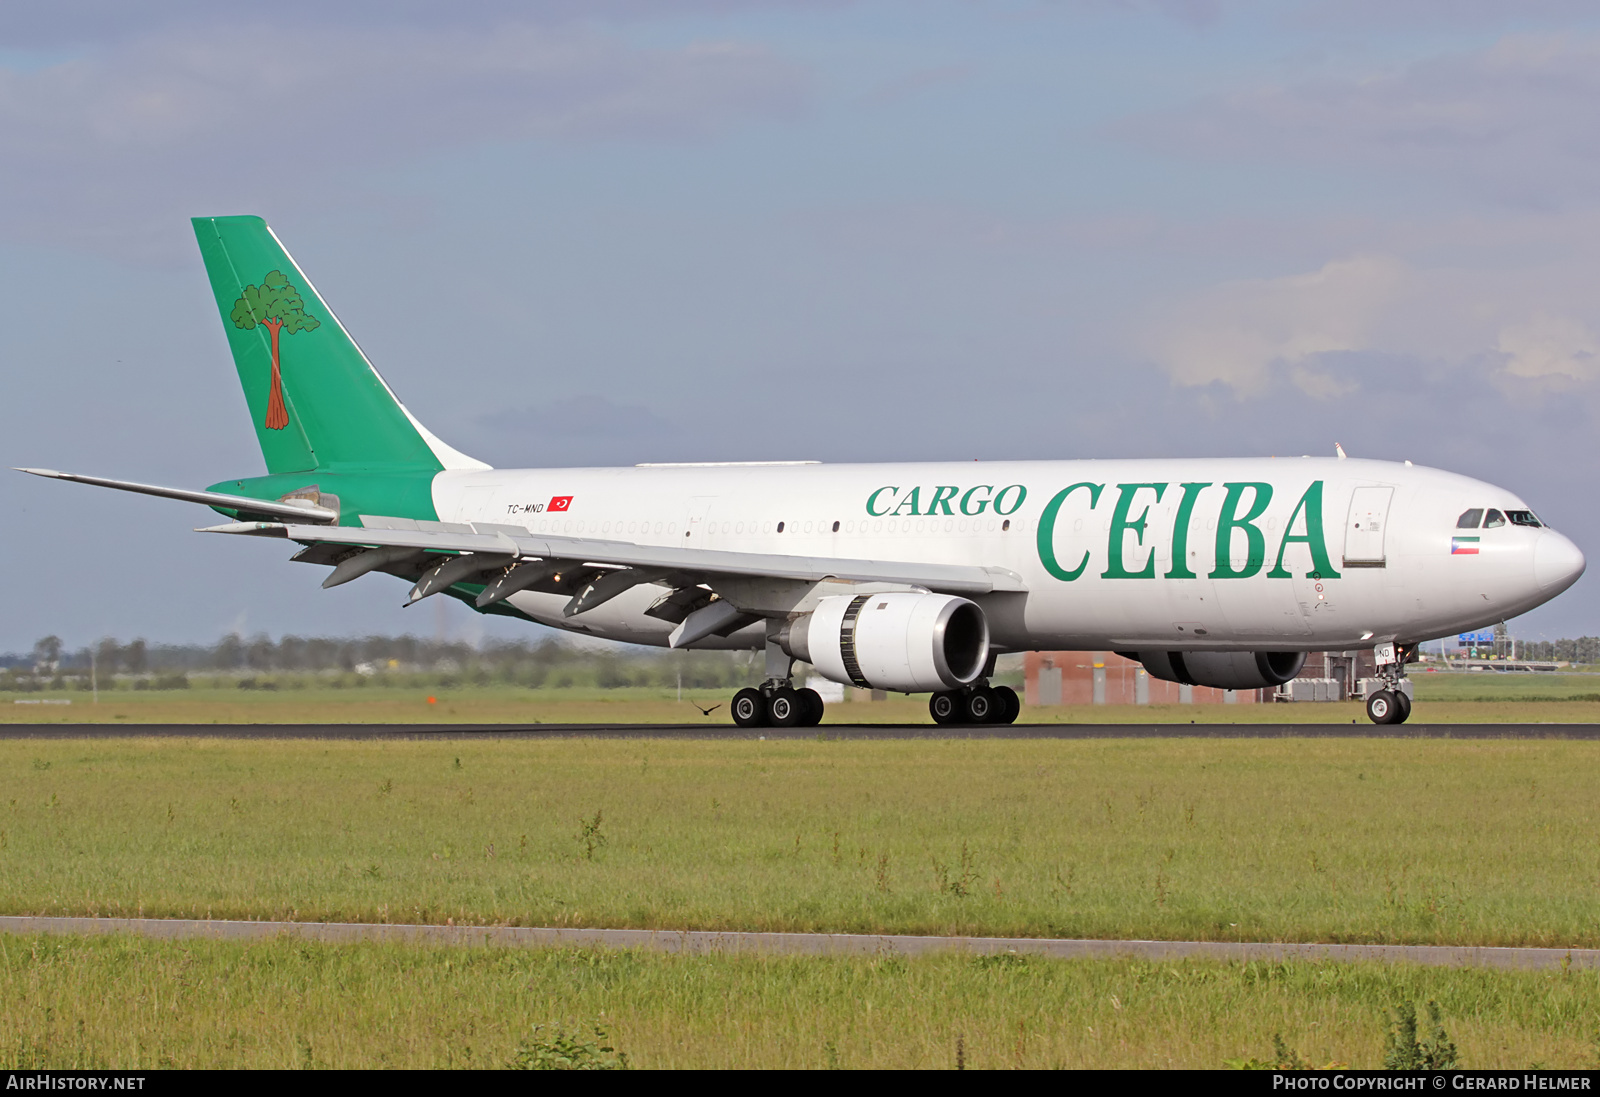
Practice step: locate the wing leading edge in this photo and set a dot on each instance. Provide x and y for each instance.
(506, 559)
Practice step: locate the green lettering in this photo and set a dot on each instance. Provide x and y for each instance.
(941, 498)
(1229, 521)
(1121, 527)
(983, 504)
(999, 500)
(873, 498)
(913, 501)
(1321, 566)
(1180, 532)
(1047, 532)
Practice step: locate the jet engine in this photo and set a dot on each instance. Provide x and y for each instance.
(1221, 669)
(902, 641)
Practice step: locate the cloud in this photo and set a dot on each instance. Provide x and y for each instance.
(1515, 120)
(1240, 332)
(1551, 348)
(153, 128)
(1527, 329)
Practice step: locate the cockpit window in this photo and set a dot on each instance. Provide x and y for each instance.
(1495, 519)
(1523, 518)
(1470, 518)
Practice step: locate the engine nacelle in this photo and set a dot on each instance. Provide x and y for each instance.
(902, 641)
(1221, 669)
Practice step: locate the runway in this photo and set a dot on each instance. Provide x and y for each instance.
(717, 731)
(704, 942)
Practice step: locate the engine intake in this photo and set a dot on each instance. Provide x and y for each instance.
(901, 641)
(1221, 669)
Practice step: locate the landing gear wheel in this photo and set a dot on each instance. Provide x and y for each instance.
(1404, 702)
(945, 708)
(1382, 708)
(749, 709)
(1008, 706)
(811, 702)
(980, 706)
(785, 709)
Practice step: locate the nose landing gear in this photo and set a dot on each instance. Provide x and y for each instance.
(1391, 704)
(1388, 706)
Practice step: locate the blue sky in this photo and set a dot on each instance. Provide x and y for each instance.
(621, 231)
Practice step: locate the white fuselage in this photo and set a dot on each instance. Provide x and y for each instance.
(1241, 554)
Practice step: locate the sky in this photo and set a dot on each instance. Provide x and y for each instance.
(612, 231)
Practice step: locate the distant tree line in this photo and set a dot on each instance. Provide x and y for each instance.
(261, 661)
(1585, 649)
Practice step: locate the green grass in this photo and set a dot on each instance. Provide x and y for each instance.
(1437, 841)
(1442, 698)
(1501, 686)
(132, 1004)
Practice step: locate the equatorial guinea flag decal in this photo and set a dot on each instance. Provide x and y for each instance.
(1463, 546)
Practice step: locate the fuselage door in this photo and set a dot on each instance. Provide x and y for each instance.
(477, 505)
(695, 525)
(1365, 526)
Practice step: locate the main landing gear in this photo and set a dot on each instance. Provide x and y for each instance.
(778, 706)
(1391, 704)
(976, 704)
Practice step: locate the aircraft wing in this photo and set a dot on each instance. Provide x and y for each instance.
(709, 591)
(501, 546)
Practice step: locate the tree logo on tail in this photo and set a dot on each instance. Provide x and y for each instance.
(276, 305)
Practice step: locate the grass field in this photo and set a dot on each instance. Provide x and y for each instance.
(1431, 841)
(1441, 698)
(1499, 686)
(132, 1004)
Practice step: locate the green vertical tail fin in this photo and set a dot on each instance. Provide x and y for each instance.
(316, 401)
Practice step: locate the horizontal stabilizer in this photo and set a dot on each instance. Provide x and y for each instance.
(294, 510)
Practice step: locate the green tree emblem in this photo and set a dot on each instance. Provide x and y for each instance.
(276, 305)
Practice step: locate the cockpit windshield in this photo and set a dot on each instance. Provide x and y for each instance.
(1472, 519)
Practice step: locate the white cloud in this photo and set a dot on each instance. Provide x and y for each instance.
(1527, 324)
(1551, 348)
(1240, 332)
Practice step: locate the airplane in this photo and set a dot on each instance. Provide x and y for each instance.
(900, 577)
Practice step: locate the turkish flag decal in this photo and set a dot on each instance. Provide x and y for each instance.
(560, 502)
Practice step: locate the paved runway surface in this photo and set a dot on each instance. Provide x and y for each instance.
(809, 944)
(832, 731)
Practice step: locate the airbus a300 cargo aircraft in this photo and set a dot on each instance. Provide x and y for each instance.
(904, 577)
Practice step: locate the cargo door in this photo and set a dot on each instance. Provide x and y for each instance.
(1365, 527)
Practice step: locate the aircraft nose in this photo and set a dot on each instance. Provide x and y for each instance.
(1557, 562)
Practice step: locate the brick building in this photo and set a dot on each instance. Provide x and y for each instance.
(1106, 678)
